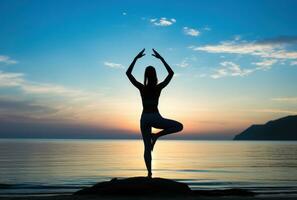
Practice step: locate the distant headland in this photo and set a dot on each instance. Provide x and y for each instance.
(280, 129)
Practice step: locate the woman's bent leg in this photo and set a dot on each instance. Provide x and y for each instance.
(169, 126)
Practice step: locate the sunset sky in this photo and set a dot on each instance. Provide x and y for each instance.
(63, 63)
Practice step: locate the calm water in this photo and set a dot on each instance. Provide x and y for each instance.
(63, 166)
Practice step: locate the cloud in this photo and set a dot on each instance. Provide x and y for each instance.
(183, 63)
(163, 21)
(113, 65)
(293, 62)
(230, 69)
(191, 31)
(273, 48)
(46, 101)
(279, 40)
(236, 48)
(11, 105)
(278, 111)
(24, 127)
(7, 60)
(8, 79)
(270, 51)
(206, 28)
(40, 88)
(237, 37)
(265, 64)
(285, 99)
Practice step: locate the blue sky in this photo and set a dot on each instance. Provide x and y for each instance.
(62, 64)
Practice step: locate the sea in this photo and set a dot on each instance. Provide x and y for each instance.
(50, 166)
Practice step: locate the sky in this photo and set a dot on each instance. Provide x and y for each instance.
(63, 63)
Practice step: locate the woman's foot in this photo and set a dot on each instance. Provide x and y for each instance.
(154, 139)
(149, 174)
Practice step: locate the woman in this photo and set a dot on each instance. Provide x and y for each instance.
(150, 92)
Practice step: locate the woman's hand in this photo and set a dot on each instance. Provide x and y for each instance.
(140, 54)
(156, 54)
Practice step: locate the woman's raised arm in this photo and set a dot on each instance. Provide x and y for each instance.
(130, 68)
(168, 68)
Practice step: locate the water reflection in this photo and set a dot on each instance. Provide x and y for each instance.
(200, 163)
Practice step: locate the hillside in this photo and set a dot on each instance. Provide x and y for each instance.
(281, 129)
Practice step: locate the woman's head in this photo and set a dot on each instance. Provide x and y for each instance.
(150, 76)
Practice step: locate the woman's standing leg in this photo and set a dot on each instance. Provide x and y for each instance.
(146, 136)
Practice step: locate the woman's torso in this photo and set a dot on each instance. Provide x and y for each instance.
(150, 99)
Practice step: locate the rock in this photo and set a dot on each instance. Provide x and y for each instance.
(137, 186)
(143, 186)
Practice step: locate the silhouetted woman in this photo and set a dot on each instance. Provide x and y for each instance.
(150, 92)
